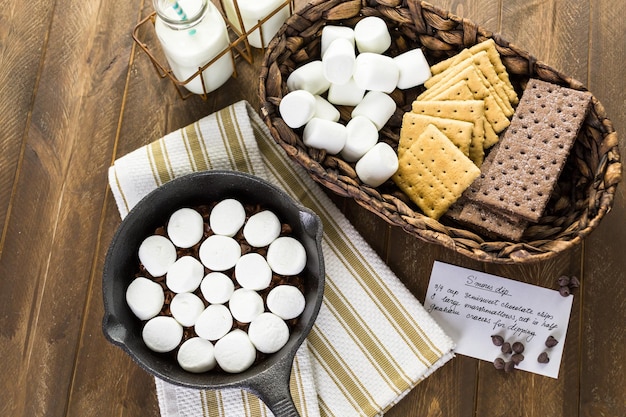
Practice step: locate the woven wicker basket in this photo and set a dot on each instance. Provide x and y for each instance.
(586, 187)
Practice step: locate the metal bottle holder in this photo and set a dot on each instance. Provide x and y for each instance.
(239, 46)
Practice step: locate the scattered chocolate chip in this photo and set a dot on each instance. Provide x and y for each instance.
(517, 358)
(497, 340)
(518, 347)
(509, 366)
(563, 280)
(564, 291)
(574, 282)
(506, 348)
(543, 358)
(498, 363)
(551, 341)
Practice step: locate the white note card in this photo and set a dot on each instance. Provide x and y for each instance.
(472, 306)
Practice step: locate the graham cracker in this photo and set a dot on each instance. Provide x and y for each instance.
(534, 149)
(459, 132)
(433, 172)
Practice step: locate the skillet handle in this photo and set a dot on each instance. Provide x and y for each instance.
(272, 388)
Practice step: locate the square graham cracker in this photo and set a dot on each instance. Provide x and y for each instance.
(459, 132)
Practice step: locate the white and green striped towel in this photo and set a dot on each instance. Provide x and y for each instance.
(372, 341)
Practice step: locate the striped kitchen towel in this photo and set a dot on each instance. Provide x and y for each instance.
(372, 341)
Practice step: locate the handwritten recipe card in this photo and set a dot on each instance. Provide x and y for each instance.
(472, 306)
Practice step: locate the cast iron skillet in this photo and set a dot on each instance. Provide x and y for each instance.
(268, 379)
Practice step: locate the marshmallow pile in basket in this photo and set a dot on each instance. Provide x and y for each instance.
(353, 71)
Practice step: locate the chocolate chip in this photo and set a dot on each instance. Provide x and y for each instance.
(497, 340)
(509, 366)
(574, 282)
(498, 363)
(563, 280)
(506, 348)
(551, 341)
(564, 291)
(518, 347)
(543, 358)
(517, 358)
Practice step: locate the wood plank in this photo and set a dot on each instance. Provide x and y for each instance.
(604, 313)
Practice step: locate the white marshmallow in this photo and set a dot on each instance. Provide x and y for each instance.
(217, 288)
(377, 165)
(286, 256)
(348, 94)
(196, 355)
(413, 67)
(162, 334)
(245, 305)
(372, 35)
(309, 77)
(157, 254)
(214, 322)
(145, 298)
(235, 352)
(227, 217)
(286, 301)
(185, 227)
(362, 135)
(331, 32)
(325, 134)
(325, 110)
(219, 253)
(376, 72)
(184, 275)
(186, 307)
(262, 228)
(376, 106)
(297, 108)
(253, 272)
(268, 333)
(339, 61)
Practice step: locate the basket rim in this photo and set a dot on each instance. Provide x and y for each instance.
(463, 241)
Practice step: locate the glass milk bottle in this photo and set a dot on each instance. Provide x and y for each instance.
(192, 33)
(251, 12)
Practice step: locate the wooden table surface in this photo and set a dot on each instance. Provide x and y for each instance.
(76, 93)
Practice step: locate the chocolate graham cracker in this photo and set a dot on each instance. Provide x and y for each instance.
(534, 149)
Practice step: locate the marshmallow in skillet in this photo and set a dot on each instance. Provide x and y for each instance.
(348, 94)
(414, 69)
(297, 108)
(286, 301)
(235, 352)
(253, 272)
(245, 305)
(325, 134)
(309, 77)
(162, 334)
(376, 72)
(219, 253)
(372, 35)
(376, 106)
(286, 256)
(145, 298)
(331, 33)
(377, 165)
(362, 134)
(214, 322)
(262, 228)
(186, 307)
(184, 275)
(227, 217)
(325, 110)
(157, 254)
(196, 355)
(217, 288)
(185, 227)
(268, 333)
(339, 61)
